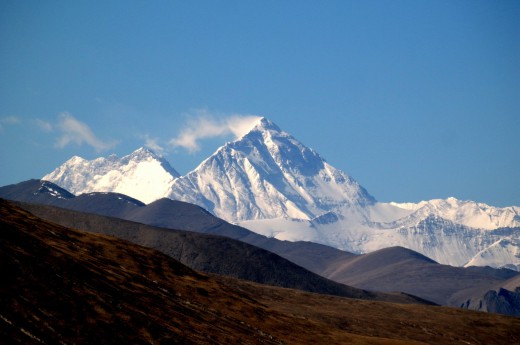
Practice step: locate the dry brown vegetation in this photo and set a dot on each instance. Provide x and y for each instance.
(212, 254)
(65, 286)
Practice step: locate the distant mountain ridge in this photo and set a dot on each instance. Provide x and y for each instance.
(269, 182)
(469, 213)
(400, 269)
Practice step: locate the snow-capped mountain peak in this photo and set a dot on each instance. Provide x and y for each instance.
(144, 154)
(264, 125)
(142, 175)
(267, 173)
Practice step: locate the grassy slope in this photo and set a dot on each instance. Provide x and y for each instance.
(62, 285)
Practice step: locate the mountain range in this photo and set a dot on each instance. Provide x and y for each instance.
(269, 182)
(388, 270)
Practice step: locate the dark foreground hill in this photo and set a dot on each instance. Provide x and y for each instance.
(65, 286)
(213, 254)
(170, 214)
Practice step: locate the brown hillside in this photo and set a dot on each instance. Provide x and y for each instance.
(64, 286)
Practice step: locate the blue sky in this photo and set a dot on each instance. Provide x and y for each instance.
(414, 99)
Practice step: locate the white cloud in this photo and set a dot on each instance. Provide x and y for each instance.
(204, 126)
(152, 144)
(77, 132)
(10, 120)
(44, 125)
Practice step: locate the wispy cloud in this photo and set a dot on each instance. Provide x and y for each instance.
(9, 120)
(77, 132)
(44, 125)
(153, 144)
(203, 125)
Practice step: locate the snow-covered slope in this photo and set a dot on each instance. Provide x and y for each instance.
(440, 239)
(470, 213)
(268, 174)
(443, 240)
(142, 175)
(503, 253)
(424, 230)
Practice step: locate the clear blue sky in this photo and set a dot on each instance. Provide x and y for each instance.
(414, 99)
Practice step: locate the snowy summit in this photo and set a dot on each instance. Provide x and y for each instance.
(142, 175)
(267, 173)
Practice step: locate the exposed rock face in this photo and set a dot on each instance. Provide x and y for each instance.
(502, 301)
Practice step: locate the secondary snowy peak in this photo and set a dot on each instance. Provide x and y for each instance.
(469, 213)
(265, 174)
(142, 175)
